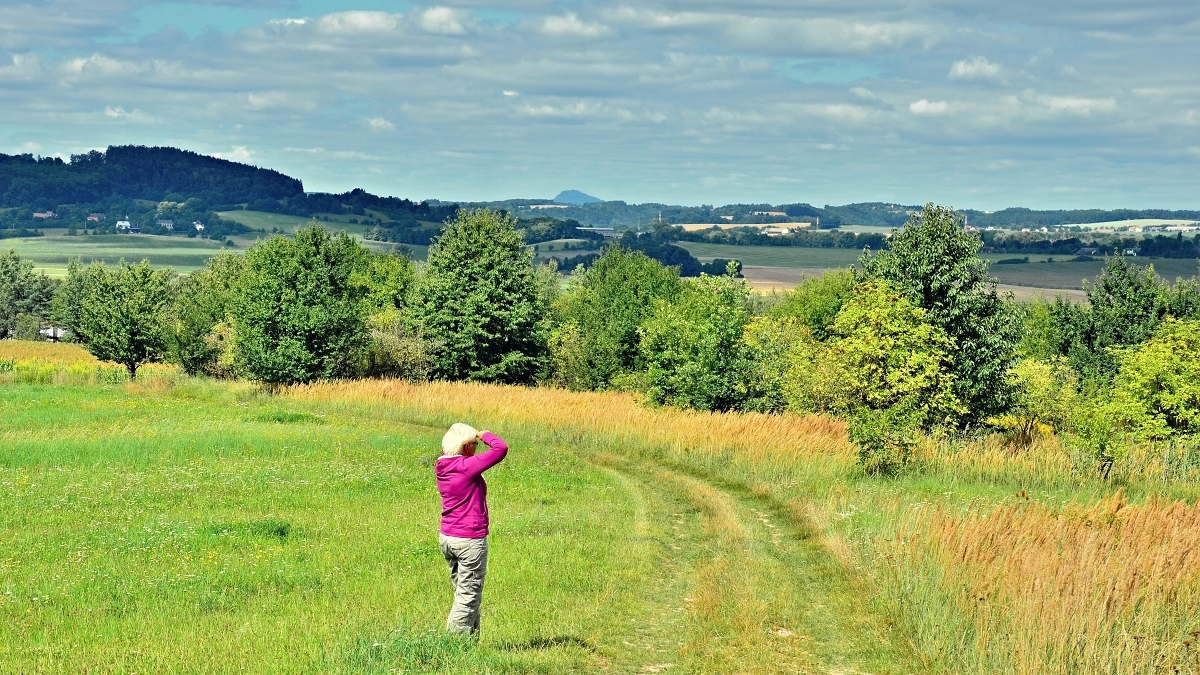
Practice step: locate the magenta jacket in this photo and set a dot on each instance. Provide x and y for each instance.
(464, 493)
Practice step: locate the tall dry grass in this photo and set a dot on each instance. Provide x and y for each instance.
(1106, 588)
(28, 362)
(614, 415)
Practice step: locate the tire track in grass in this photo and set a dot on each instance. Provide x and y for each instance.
(743, 587)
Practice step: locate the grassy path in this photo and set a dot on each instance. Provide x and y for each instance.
(743, 586)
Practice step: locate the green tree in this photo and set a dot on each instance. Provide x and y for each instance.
(297, 311)
(123, 312)
(1125, 306)
(693, 348)
(25, 296)
(202, 301)
(882, 353)
(596, 337)
(934, 263)
(68, 301)
(1157, 388)
(479, 300)
(817, 301)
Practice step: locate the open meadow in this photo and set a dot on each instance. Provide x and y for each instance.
(185, 524)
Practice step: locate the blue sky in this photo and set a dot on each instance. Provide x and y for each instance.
(1075, 103)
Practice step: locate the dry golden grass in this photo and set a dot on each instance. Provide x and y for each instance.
(1106, 588)
(616, 415)
(23, 361)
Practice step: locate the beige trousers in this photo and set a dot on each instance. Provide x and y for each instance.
(467, 559)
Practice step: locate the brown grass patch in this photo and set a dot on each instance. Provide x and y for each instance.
(1109, 588)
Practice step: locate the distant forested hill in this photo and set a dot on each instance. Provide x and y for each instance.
(136, 172)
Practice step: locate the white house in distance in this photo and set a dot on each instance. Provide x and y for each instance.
(198, 225)
(126, 226)
(167, 224)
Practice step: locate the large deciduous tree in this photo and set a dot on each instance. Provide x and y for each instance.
(479, 301)
(935, 263)
(122, 311)
(298, 310)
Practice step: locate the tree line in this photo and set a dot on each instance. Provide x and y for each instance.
(914, 339)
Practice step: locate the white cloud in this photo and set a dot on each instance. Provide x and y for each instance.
(926, 107)
(380, 124)
(1076, 105)
(977, 68)
(356, 23)
(1195, 150)
(509, 92)
(443, 21)
(239, 153)
(570, 25)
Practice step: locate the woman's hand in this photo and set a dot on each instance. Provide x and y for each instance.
(482, 432)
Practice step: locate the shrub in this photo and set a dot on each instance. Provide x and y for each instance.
(478, 299)
(693, 349)
(884, 438)
(1046, 393)
(769, 344)
(397, 349)
(934, 263)
(596, 336)
(1157, 387)
(817, 301)
(297, 312)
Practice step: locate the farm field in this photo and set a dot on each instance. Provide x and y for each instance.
(178, 524)
(52, 251)
(1035, 274)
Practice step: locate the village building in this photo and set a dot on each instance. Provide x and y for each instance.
(198, 225)
(95, 217)
(167, 224)
(44, 214)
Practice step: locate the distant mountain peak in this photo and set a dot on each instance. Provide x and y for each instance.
(575, 197)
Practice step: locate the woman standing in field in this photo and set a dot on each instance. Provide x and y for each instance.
(464, 529)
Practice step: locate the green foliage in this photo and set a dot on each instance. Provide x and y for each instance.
(297, 311)
(596, 336)
(387, 280)
(934, 262)
(123, 313)
(883, 353)
(202, 302)
(479, 299)
(1157, 387)
(1042, 334)
(1046, 394)
(1125, 305)
(818, 300)
(68, 302)
(397, 349)
(884, 438)
(693, 348)
(23, 293)
(769, 342)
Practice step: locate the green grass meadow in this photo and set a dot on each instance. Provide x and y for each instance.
(210, 528)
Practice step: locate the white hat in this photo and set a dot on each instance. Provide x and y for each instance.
(456, 437)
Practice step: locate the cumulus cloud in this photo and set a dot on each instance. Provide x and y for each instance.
(570, 25)
(977, 68)
(444, 21)
(380, 124)
(927, 107)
